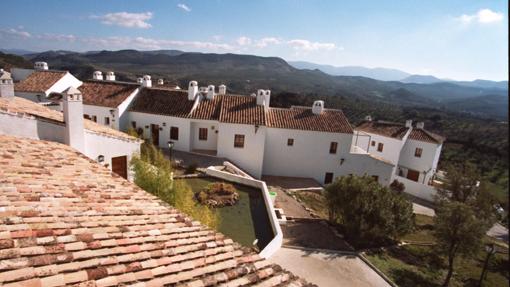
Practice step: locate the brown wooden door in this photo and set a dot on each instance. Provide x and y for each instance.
(155, 134)
(119, 165)
(328, 178)
(413, 175)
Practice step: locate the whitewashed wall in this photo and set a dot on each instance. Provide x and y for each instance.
(68, 80)
(391, 148)
(419, 190)
(361, 164)
(19, 74)
(143, 119)
(101, 113)
(212, 135)
(122, 113)
(426, 163)
(31, 96)
(18, 125)
(250, 158)
(308, 157)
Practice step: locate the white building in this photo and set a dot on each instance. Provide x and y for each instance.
(24, 118)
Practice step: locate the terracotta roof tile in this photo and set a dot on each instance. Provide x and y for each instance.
(241, 110)
(162, 102)
(39, 81)
(26, 107)
(208, 109)
(388, 129)
(426, 136)
(140, 240)
(302, 118)
(106, 93)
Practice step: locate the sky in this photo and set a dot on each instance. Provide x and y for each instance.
(454, 39)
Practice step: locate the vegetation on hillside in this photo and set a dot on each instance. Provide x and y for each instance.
(8, 61)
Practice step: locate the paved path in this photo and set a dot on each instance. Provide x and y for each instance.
(291, 182)
(290, 206)
(328, 268)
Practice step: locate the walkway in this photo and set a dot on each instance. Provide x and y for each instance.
(290, 206)
(328, 268)
(291, 182)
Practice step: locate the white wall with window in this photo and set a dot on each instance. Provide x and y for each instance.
(425, 164)
(378, 145)
(104, 115)
(204, 135)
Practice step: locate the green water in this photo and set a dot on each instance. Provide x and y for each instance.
(244, 221)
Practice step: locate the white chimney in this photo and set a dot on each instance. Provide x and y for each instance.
(210, 92)
(222, 90)
(97, 75)
(261, 97)
(6, 84)
(73, 118)
(41, 66)
(139, 80)
(318, 107)
(147, 82)
(368, 118)
(192, 90)
(420, 125)
(267, 99)
(409, 123)
(110, 76)
(161, 82)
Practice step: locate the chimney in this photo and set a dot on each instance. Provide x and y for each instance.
(261, 97)
(318, 107)
(267, 99)
(192, 90)
(139, 80)
(420, 125)
(73, 118)
(222, 90)
(110, 76)
(146, 81)
(41, 66)
(409, 123)
(6, 85)
(161, 82)
(97, 75)
(368, 118)
(210, 92)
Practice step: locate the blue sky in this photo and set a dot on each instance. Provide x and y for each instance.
(454, 39)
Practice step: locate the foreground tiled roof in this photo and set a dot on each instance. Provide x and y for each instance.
(302, 118)
(66, 220)
(24, 106)
(242, 110)
(426, 136)
(392, 130)
(39, 81)
(162, 102)
(106, 93)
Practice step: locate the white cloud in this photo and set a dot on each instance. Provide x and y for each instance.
(305, 45)
(151, 43)
(16, 33)
(264, 42)
(483, 16)
(57, 37)
(243, 41)
(125, 19)
(184, 7)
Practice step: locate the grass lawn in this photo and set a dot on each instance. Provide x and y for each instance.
(314, 201)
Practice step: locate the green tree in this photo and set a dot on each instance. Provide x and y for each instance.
(367, 210)
(458, 231)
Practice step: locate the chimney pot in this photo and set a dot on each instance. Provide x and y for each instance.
(368, 118)
(146, 81)
(98, 75)
(41, 66)
(420, 125)
(192, 90)
(222, 90)
(318, 107)
(73, 118)
(409, 124)
(210, 92)
(110, 76)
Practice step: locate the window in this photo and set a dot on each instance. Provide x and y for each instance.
(133, 124)
(107, 121)
(202, 134)
(380, 147)
(373, 143)
(332, 147)
(290, 142)
(376, 178)
(417, 152)
(239, 141)
(328, 178)
(87, 117)
(94, 118)
(174, 133)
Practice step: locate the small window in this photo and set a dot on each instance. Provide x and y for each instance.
(380, 147)
(202, 134)
(94, 119)
(107, 121)
(373, 143)
(417, 152)
(174, 133)
(133, 124)
(87, 117)
(290, 142)
(239, 141)
(332, 147)
(376, 178)
(328, 178)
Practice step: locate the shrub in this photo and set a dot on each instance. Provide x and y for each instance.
(190, 169)
(397, 186)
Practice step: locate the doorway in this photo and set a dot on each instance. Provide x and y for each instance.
(155, 134)
(119, 165)
(413, 175)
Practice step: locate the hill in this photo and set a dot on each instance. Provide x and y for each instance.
(7, 61)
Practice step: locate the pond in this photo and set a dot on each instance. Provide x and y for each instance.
(245, 221)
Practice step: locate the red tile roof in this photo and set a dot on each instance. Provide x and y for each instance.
(23, 106)
(162, 102)
(208, 109)
(39, 81)
(106, 93)
(241, 110)
(425, 136)
(302, 118)
(67, 220)
(388, 129)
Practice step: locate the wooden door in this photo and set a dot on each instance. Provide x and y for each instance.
(155, 134)
(413, 175)
(328, 178)
(119, 165)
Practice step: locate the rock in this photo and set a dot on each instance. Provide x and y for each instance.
(218, 195)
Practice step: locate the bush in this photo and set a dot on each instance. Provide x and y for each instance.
(397, 186)
(218, 194)
(190, 169)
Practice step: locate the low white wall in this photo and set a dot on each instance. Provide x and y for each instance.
(419, 190)
(237, 170)
(277, 240)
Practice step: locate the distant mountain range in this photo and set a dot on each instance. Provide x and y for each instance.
(246, 73)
